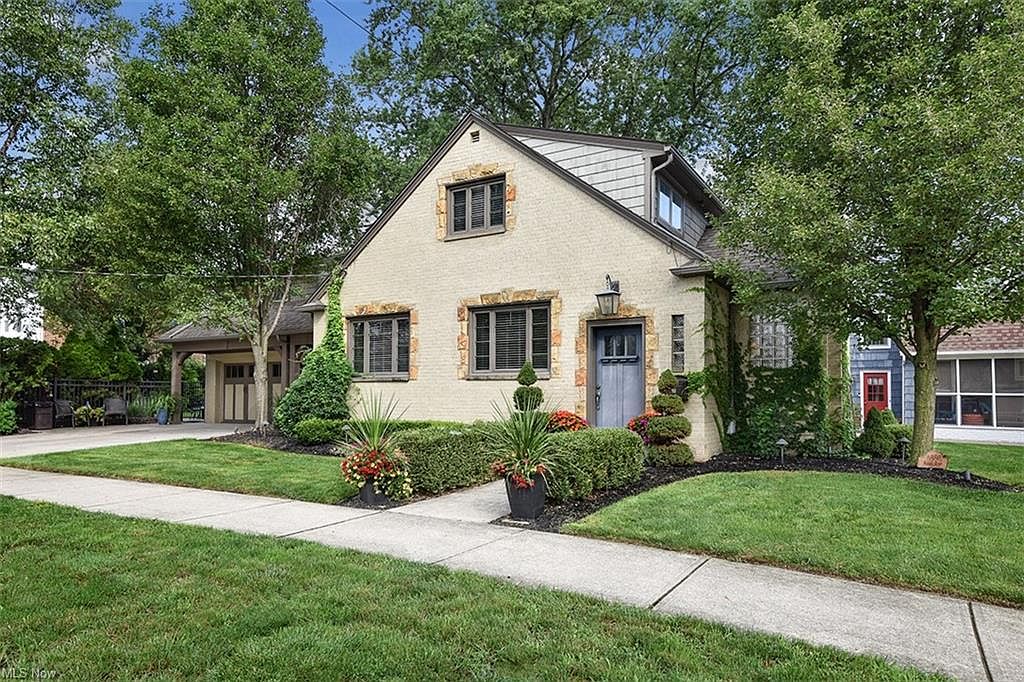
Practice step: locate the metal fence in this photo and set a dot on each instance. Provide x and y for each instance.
(82, 391)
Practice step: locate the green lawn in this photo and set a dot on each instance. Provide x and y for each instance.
(94, 596)
(205, 464)
(885, 530)
(999, 462)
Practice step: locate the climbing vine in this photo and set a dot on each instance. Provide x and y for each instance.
(758, 405)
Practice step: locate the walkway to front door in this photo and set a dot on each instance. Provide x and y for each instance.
(618, 393)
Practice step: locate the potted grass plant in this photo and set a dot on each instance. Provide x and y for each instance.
(523, 446)
(370, 460)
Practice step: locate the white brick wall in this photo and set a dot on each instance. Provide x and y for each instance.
(562, 240)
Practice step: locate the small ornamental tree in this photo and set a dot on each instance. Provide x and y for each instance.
(527, 396)
(666, 431)
(877, 440)
(321, 390)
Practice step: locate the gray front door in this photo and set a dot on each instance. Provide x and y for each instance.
(619, 374)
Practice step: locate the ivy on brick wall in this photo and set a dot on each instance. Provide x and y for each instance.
(759, 405)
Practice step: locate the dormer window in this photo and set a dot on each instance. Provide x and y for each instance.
(670, 205)
(476, 208)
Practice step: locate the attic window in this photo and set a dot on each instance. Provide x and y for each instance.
(671, 209)
(474, 136)
(476, 208)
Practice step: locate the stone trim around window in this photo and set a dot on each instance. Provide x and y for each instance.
(475, 172)
(626, 311)
(505, 296)
(371, 309)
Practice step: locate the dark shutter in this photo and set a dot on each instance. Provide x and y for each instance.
(482, 345)
(497, 196)
(459, 210)
(540, 338)
(358, 347)
(403, 344)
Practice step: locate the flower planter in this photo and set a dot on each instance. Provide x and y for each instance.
(163, 415)
(526, 503)
(974, 419)
(369, 495)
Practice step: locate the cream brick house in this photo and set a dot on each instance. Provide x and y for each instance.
(493, 254)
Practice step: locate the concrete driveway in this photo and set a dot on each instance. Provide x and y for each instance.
(60, 440)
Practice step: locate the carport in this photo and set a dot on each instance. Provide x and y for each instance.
(229, 362)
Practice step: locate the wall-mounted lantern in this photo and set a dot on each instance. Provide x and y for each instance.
(608, 300)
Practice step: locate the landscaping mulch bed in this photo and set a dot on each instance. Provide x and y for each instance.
(555, 515)
(275, 440)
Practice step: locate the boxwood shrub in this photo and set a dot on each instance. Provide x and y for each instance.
(672, 455)
(322, 431)
(446, 457)
(594, 459)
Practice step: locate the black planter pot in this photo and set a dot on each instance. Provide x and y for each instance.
(368, 495)
(526, 503)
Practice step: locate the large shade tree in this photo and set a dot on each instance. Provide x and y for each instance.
(237, 172)
(636, 67)
(876, 154)
(56, 63)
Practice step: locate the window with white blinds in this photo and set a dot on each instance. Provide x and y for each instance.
(380, 345)
(477, 208)
(505, 338)
(771, 342)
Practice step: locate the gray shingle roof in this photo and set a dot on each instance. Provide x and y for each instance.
(293, 321)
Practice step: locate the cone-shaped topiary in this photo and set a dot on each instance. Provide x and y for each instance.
(527, 396)
(667, 382)
(877, 440)
(526, 376)
(321, 390)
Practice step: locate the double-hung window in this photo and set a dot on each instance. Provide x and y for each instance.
(504, 338)
(477, 208)
(380, 346)
(772, 342)
(671, 209)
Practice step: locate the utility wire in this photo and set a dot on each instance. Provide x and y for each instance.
(101, 273)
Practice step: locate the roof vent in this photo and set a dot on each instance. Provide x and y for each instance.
(474, 136)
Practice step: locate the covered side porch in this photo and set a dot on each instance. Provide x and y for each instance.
(230, 368)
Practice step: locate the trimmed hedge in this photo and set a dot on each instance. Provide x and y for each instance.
(8, 417)
(594, 459)
(321, 431)
(446, 457)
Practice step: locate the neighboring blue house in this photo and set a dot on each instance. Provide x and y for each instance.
(881, 378)
(980, 392)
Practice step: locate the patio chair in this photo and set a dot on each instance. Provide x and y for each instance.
(196, 408)
(114, 407)
(63, 409)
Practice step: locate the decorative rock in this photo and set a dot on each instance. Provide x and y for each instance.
(933, 459)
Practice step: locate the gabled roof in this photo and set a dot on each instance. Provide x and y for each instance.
(505, 135)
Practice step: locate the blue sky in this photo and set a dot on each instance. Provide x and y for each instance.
(343, 38)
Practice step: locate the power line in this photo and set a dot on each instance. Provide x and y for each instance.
(162, 275)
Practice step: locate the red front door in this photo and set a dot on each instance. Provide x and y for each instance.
(875, 391)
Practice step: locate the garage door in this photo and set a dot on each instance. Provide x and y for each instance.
(240, 391)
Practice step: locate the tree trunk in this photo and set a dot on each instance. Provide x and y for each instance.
(261, 383)
(926, 340)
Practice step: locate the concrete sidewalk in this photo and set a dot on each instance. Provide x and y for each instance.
(952, 636)
(63, 439)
